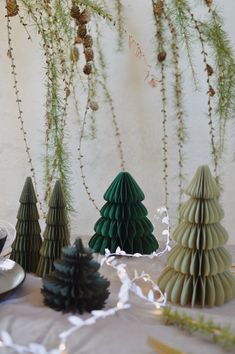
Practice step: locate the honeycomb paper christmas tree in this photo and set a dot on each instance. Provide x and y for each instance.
(25, 248)
(124, 221)
(198, 266)
(75, 285)
(56, 234)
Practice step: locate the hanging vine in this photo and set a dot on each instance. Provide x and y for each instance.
(66, 29)
(161, 56)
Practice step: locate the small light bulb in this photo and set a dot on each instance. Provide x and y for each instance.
(120, 305)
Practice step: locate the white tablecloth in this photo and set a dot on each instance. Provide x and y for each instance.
(27, 319)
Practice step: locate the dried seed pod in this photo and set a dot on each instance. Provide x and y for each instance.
(158, 8)
(84, 17)
(74, 54)
(208, 2)
(67, 92)
(209, 70)
(87, 41)
(75, 12)
(94, 106)
(211, 91)
(81, 32)
(12, 8)
(87, 69)
(89, 54)
(161, 56)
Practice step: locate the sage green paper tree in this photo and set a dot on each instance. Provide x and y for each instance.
(56, 234)
(25, 247)
(198, 266)
(123, 222)
(75, 285)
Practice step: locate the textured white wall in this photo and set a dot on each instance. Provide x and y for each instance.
(138, 110)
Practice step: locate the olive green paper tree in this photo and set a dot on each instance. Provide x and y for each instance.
(75, 285)
(56, 234)
(123, 222)
(198, 266)
(25, 247)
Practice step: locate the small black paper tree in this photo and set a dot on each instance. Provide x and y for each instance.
(75, 285)
(25, 248)
(124, 221)
(56, 234)
(198, 266)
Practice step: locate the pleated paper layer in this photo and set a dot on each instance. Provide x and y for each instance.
(203, 185)
(202, 237)
(199, 263)
(124, 189)
(199, 211)
(28, 195)
(126, 211)
(208, 291)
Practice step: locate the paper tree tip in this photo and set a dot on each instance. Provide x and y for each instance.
(124, 189)
(28, 194)
(203, 184)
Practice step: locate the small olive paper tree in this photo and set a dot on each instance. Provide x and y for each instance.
(25, 248)
(75, 285)
(56, 234)
(123, 222)
(198, 266)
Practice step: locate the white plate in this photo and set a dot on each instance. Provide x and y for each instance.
(12, 275)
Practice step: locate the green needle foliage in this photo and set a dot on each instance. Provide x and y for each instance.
(123, 222)
(25, 247)
(179, 33)
(198, 265)
(56, 234)
(221, 335)
(75, 285)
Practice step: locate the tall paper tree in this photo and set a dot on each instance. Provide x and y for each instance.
(198, 266)
(56, 234)
(123, 222)
(75, 285)
(25, 247)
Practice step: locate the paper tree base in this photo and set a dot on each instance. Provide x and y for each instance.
(143, 245)
(189, 290)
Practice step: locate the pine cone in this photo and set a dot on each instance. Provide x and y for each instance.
(87, 41)
(12, 8)
(89, 54)
(208, 2)
(209, 70)
(75, 12)
(94, 106)
(78, 40)
(81, 32)
(158, 8)
(211, 91)
(87, 69)
(161, 56)
(84, 18)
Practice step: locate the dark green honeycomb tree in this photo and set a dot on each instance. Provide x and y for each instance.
(56, 234)
(25, 247)
(75, 285)
(198, 266)
(123, 222)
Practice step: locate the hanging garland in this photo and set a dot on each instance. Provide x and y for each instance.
(66, 32)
